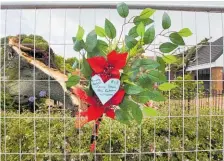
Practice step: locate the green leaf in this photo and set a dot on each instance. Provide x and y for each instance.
(146, 13)
(147, 111)
(145, 82)
(141, 29)
(94, 53)
(149, 35)
(100, 31)
(137, 20)
(129, 82)
(130, 106)
(133, 32)
(80, 33)
(136, 114)
(73, 39)
(142, 97)
(72, 81)
(133, 75)
(91, 41)
(166, 22)
(166, 86)
(133, 89)
(86, 69)
(156, 96)
(110, 29)
(167, 47)
(79, 44)
(130, 41)
(185, 32)
(127, 104)
(122, 9)
(176, 38)
(145, 96)
(157, 76)
(145, 63)
(169, 59)
(122, 116)
(102, 46)
(133, 51)
(162, 64)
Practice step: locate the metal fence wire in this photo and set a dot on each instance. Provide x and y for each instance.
(190, 126)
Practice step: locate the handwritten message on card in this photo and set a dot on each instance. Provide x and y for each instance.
(105, 91)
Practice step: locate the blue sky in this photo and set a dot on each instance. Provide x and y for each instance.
(64, 23)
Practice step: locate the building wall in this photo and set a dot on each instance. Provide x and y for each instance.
(217, 74)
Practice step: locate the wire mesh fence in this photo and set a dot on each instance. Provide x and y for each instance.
(190, 124)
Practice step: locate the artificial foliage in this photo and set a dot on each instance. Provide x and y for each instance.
(110, 56)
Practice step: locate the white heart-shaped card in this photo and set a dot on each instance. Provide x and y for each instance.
(105, 91)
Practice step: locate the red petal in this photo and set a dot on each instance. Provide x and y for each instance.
(104, 77)
(110, 113)
(117, 60)
(82, 95)
(92, 147)
(115, 73)
(97, 63)
(118, 97)
(94, 112)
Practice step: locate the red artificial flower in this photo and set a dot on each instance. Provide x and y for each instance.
(108, 68)
(96, 109)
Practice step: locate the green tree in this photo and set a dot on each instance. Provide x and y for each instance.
(186, 89)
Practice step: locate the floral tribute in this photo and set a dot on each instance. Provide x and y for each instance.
(117, 79)
(106, 69)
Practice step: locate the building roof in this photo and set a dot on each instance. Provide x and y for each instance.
(215, 49)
